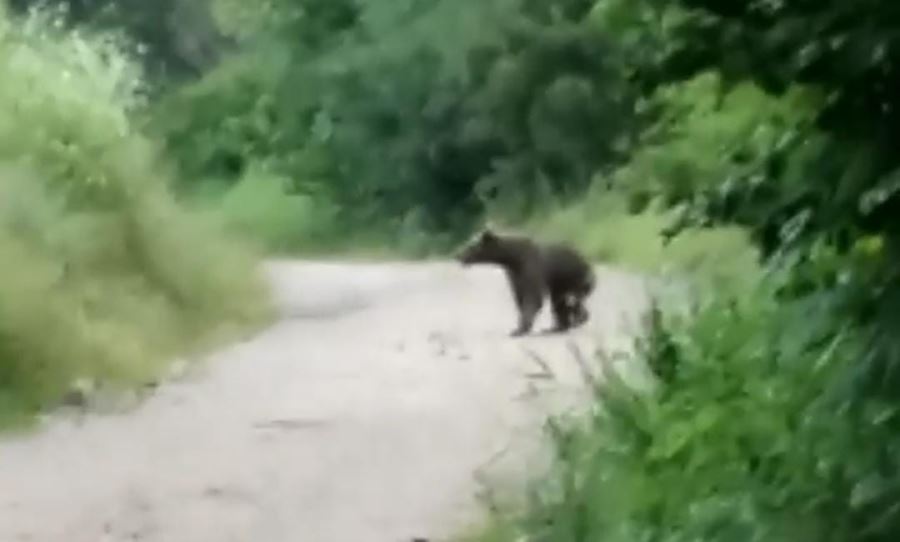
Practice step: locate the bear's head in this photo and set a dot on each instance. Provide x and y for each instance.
(484, 247)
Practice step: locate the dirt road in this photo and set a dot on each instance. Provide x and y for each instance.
(372, 411)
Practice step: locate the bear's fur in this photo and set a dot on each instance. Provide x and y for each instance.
(535, 270)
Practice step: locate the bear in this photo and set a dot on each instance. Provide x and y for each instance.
(535, 270)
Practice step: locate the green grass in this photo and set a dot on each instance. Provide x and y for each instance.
(261, 210)
(104, 276)
(746, 438)
(600, 225)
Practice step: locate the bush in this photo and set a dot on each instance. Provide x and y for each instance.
(103, 275)
(261, 208)
(749, 437)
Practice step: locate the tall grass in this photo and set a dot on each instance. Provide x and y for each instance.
(262, 210)
(102, 275)
(600, 224)
(745, 439)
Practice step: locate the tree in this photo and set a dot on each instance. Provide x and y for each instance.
(178, 38)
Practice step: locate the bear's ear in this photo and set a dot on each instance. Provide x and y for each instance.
(488, 234)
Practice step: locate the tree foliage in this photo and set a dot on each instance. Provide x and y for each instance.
(528, 100)
(176, 38)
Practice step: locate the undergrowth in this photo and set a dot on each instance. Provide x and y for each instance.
(602, 227)
(747, 437)
(103, 275)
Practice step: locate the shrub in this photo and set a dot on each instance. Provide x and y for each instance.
(749, 437)
(261, 208)
(103, 275)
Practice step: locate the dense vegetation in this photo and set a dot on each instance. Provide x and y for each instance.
(775, 417)
(102, 275)
(747, 144)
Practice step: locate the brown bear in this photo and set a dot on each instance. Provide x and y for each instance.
(534, 270)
